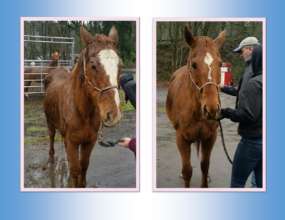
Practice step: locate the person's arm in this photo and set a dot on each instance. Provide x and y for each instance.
(230, 90)
(250, 105)
(129, 143)
(132, 145)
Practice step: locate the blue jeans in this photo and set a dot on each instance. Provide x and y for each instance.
(247, 159)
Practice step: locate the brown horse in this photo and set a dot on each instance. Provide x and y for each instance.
(34, 73)
(193, 102)
(76, 103)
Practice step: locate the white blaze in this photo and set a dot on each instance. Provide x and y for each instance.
(209, 60)
(110, 60)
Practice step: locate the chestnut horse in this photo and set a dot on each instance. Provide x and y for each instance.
(77, 103)
(34, 73)
(193, 102)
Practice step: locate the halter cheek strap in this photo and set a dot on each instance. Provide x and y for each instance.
(90, 83)
(199, 88)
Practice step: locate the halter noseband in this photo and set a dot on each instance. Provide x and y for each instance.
(199, 88)
(90, 83)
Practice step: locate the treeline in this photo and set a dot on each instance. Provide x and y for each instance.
(172, 50)
(126, 30)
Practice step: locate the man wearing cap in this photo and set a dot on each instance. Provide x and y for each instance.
(248, 113)
(245, 49)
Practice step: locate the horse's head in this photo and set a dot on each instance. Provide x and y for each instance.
(204, 63)
(55, 56)
(101, 65)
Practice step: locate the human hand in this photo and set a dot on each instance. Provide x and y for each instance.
(220, 116)
(225, 113)
(124, 142)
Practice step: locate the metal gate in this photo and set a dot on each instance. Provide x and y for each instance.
(35, 69)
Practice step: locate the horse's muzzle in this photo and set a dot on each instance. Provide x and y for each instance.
(211, 113)
(112, 119)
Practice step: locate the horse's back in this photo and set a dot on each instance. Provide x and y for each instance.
(55, 83)
(56, 77)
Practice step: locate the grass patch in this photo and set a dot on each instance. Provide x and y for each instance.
(125, 106)
(35, 129)
(161, 109)
(40, 139)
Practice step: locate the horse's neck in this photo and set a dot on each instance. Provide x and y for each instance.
(82, 102)
(194, 96)
(53, 63)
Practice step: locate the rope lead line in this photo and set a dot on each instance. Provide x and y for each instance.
(223, 143)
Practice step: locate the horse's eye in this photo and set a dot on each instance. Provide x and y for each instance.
(93, 65)
(194, 65)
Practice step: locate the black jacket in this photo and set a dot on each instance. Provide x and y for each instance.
(249, 107)
(128, 84)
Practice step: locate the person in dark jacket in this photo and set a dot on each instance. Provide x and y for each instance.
(128, 84)
(245, 49)
(248, 113)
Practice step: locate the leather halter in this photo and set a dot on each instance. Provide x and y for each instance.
(90, 83)
(199, 88)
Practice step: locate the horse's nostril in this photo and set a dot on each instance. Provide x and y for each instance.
(205, 109)
(218, 107)
(109, 116)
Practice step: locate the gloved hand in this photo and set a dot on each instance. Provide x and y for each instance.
(225, 113)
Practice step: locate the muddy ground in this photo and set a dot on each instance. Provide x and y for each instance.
(168, 158)
(109, 167)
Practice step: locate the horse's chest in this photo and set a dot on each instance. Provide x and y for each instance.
(200, 131)
(85, 133)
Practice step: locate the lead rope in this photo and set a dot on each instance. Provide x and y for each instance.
(220, 124)
(224, 144)
(105, 143)
(222, 135)
(100, 132)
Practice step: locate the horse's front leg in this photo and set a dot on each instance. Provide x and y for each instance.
(185, 153)
(207, 146)
(51, 131)
(85, 152)
(72, 152)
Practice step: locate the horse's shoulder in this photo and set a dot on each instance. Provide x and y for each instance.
(179, 72)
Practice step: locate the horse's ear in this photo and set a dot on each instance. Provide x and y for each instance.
(188, 36)
(85, 36)
(219, 41)
(114, 35)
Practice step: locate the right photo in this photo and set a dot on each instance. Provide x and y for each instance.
(210, 105)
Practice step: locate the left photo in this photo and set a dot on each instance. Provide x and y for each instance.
(79, 83)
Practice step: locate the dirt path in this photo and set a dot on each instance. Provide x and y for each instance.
(109, 167)
(168, 159)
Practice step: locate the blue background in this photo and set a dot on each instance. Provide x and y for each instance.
(143, 205)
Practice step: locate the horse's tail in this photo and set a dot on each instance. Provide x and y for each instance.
(198, 146)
